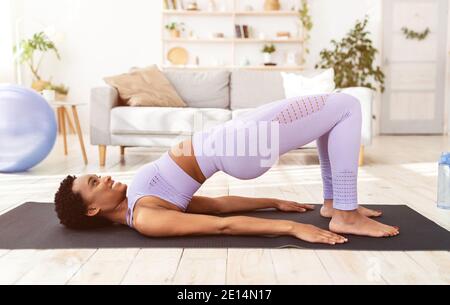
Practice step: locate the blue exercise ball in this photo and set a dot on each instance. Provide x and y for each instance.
(28, 128)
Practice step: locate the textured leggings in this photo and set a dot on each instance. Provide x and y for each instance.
(334, 120)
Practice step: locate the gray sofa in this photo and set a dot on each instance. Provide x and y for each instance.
(213, 97)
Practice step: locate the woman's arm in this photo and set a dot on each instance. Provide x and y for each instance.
(235, 204)
(166, 223)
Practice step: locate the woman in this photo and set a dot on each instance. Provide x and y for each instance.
(160, 201)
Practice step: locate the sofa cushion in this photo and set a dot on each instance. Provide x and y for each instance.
(164, 121)
(146, 87)
(251, 89)
(209, 89)
(300, 85)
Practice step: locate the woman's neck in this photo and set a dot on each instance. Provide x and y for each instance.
(119, 214)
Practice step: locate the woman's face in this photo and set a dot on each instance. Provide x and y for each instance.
(100, 194)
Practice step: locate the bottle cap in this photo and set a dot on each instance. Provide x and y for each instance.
(445, 159)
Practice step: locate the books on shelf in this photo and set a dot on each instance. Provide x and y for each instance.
(238, 31)
(173, 4)
(242, 31)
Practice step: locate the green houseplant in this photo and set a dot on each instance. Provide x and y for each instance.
(268, 50)
(353, 60)
(61, 91)
(175, 29)
(29, 49)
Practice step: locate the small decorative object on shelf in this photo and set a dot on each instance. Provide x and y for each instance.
(178, 56)
(245, 62)
(175, 29)
(192, 6)
(284, 35)
(249, 8)
(218, 35)
(410, 34)
(212, 6)
(268, 50)
(192, 35)
(170, 4)
(272, 5)
(291, 59)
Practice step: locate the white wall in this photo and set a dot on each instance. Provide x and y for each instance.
(6, 34)
(334, 19)
(103, 37)
(96, 38)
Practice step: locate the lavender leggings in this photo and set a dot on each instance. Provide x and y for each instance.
(334, 120)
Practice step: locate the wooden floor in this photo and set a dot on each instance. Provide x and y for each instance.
(398, 170)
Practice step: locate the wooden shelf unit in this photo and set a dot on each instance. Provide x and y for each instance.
(234, 42)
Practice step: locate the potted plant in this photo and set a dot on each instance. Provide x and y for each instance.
(61, 91)
(353, 61)
(175, 29)
(268, 50)
(28, 49)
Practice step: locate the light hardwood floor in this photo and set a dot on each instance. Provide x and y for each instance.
(398, 170)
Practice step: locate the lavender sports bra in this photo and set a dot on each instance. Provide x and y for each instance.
(163, 179)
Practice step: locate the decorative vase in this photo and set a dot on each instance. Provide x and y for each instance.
(175, 33)
(49, 95)
(272, 5)
(212, 6)
(267, 58)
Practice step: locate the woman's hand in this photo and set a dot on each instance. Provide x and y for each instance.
(316, 235)
(291, 206)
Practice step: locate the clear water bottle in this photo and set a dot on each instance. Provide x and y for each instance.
(444, 182)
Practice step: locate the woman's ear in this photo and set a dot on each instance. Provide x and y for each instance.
(92, 212)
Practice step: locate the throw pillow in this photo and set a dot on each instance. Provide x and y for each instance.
(146, 87)
(299, 85)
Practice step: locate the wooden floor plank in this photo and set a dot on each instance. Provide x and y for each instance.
(299, 267)
(153, 267)
(59, 266)
(202, 267)
(105, 267)
(398, 170)
(250, 267)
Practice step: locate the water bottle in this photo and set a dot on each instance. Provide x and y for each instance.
(444, 182)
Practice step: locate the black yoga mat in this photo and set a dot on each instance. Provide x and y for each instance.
(35, 226)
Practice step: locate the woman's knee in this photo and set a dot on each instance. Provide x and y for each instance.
(350, 103)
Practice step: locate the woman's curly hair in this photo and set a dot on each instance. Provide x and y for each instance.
(71, 210)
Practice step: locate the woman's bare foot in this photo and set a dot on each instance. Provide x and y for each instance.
(328, 210)
(353, 222)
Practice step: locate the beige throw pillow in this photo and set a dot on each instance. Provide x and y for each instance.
(146, 87)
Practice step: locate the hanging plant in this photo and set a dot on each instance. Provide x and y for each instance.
(410, 34)
(352, 60)
(306, 22)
